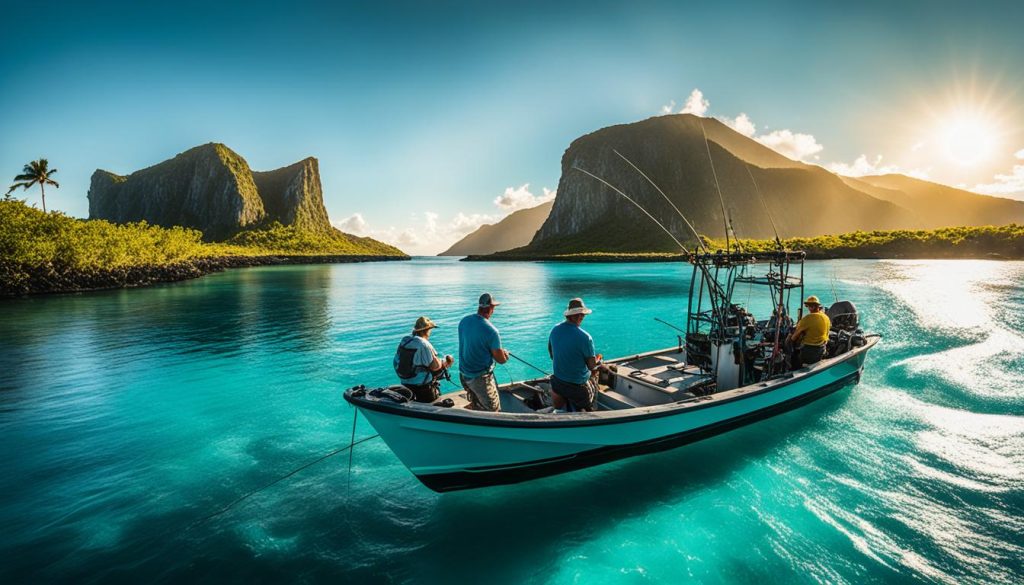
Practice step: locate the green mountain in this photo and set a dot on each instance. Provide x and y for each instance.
(513, 231)
(211, 188)
(804, 200)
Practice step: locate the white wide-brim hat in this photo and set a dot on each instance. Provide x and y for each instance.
(576, 307)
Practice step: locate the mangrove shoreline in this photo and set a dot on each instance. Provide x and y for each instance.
(51, 278)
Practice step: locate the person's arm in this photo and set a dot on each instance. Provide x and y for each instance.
(798, 333)
(596, 363)
(437, 363)
(593, 358)
(497, 352)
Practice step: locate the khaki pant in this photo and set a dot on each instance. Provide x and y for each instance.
(482, 392)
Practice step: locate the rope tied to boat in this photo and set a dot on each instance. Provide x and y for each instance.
(302, 467)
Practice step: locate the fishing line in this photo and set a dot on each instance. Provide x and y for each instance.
(249, 494)
(528, 363)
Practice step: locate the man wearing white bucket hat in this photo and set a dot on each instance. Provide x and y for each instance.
(574, 360)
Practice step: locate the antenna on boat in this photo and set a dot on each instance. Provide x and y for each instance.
(768, 213)
(717, 186)
(655, 185)
(638, 206)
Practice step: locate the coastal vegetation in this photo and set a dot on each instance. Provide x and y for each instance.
(52, 252)
(952, 242)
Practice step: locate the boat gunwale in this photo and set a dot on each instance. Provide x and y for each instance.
(544, 420)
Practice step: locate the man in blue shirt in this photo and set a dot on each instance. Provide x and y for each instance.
(479, 348)
(417, 364)
(574, 360)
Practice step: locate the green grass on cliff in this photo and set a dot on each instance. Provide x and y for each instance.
(952, 242)
(281, 239)
(31, 238)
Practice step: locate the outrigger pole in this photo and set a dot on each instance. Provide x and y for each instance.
(640, 207)
(725, 220)
(713, 285)
(655, 185)
(768, 213)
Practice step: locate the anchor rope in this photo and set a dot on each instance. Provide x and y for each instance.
(251, 493)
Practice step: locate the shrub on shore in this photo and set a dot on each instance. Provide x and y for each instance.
(31, 237)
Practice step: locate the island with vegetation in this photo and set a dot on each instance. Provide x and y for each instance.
(972, 242)
(200, 212)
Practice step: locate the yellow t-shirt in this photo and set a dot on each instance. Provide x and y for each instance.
(815, 327)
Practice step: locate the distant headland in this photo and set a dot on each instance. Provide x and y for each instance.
(200, 212)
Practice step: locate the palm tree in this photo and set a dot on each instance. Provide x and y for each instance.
(36, 172)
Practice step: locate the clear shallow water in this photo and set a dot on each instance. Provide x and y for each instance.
(127, 415)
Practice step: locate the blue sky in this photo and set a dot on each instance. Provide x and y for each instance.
(423, 115)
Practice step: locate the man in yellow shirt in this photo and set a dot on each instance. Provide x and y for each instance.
(812, 334)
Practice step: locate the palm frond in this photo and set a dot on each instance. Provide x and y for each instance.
(24, 177)
(16, 185)
(50, 181)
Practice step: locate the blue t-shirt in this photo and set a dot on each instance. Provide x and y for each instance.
(424, 355)
(570, 348)
(477, 337)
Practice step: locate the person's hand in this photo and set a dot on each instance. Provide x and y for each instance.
(504, 352)
(448, 361)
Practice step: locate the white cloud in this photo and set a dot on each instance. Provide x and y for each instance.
(667, 108)
(695, 104)
(1006, 185)
(794, 145)
(917, 146)
(1019, 154)
(516, 198)
(862, 167)
(742, 124)
(353, 224)
(427, 233)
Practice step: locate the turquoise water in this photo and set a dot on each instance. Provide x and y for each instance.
(127, 415)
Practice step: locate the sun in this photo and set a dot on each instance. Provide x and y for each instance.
(968, 140)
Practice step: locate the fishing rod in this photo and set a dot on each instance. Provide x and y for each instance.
(664, 322)
(778, 242)
(714, 173)
(511, 354)
(638, 206)
(700, 241)
(717, 288)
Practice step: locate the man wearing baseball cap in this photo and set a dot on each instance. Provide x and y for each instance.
(417, 364)
(479, 348)
(574, 360)
(812, 334)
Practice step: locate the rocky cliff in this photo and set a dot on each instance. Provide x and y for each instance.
(803, 200)
(211, 188)
(514, 231)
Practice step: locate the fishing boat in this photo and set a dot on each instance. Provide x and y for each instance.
(726, 371)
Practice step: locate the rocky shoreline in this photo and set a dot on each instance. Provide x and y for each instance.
(18, 280)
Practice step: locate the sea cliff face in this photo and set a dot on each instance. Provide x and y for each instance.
(211, 188)
(804, 200)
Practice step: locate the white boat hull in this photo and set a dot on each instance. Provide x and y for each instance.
(453, 449)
